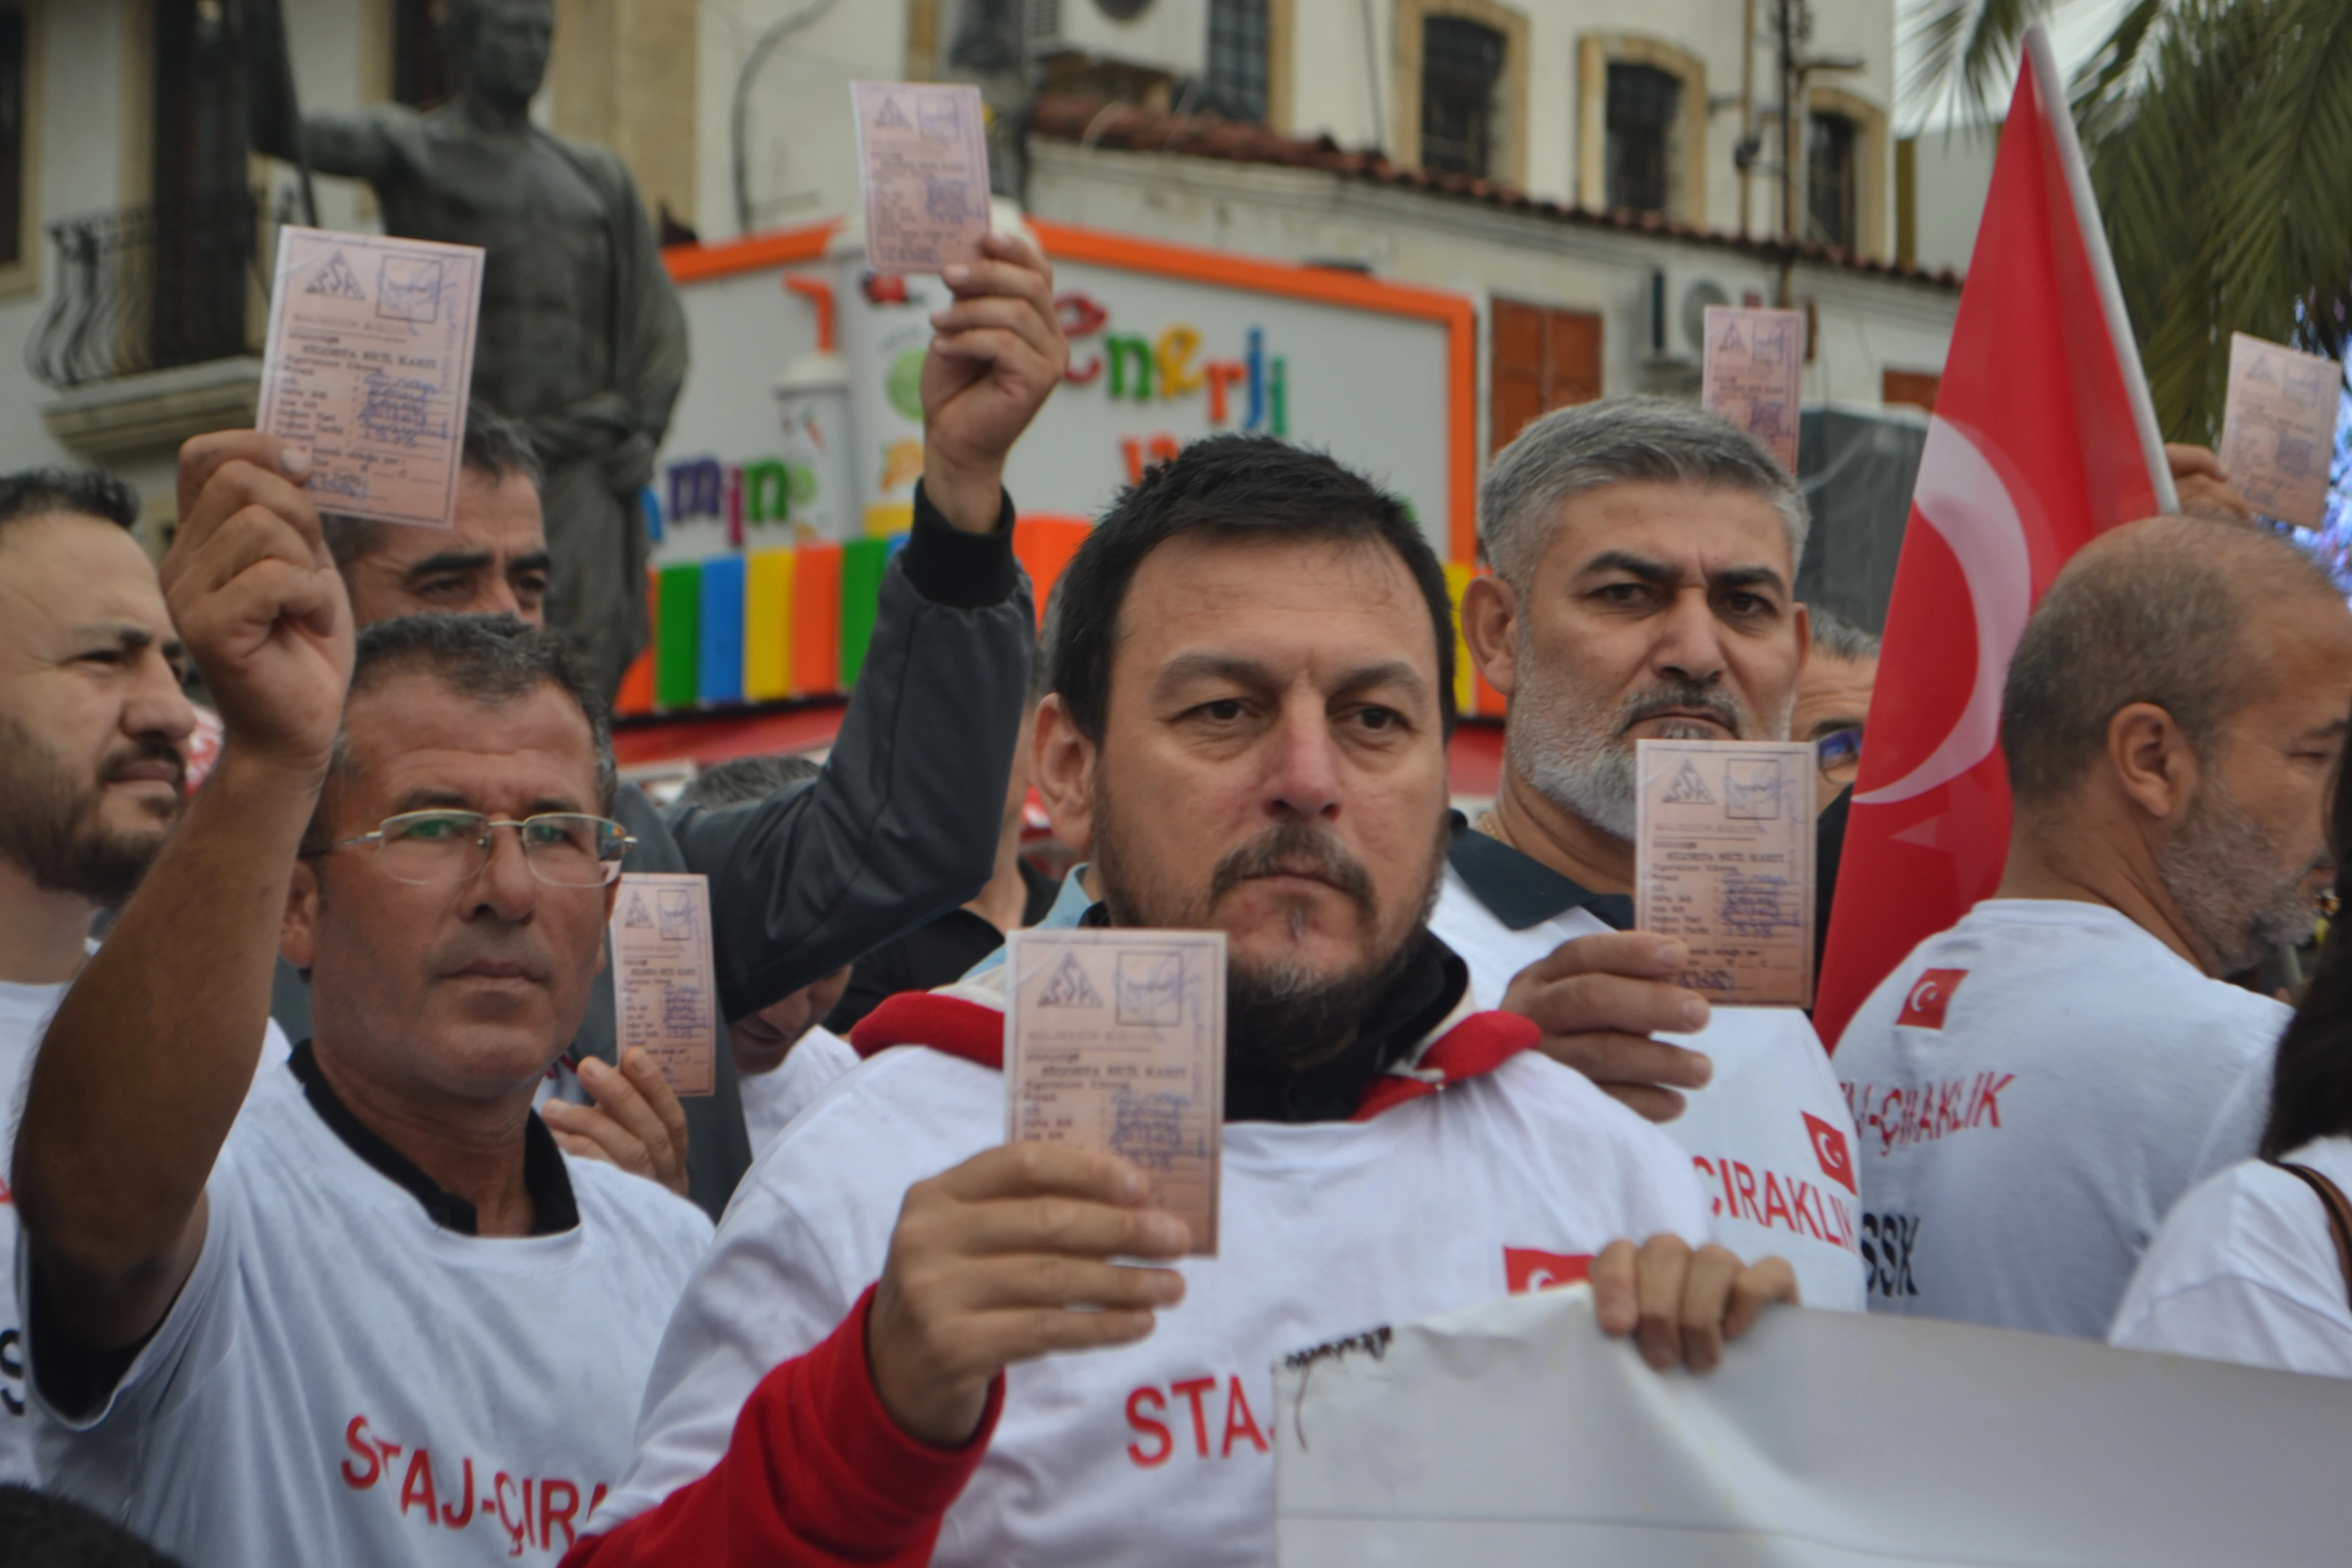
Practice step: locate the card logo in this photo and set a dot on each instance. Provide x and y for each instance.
(1526, 1270)
(1069, 987)
(1930, 994)
(1831, 1149)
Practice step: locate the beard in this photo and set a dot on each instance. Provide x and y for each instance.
(1566, 742)
(2224, 875)
(52, 825)
(1281, 1011)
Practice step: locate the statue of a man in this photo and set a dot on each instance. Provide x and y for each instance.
(580, 339)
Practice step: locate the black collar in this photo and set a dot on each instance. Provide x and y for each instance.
(1429, 987)
(553, 1209)
(1520, 890)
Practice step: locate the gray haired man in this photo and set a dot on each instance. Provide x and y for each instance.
(1644, 553)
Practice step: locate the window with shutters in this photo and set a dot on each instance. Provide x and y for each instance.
(1833, 199)
(1538, 359)
(1461, 73)
(1644, 104)
(1239, 38)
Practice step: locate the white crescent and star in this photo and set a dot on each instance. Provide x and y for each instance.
(1960, 495)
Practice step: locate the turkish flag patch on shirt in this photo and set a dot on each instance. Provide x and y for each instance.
(1930, 994)
(1830, 1148)
(1525, 1268)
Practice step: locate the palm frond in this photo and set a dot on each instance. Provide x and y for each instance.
(1967, 50)
(2219, 176)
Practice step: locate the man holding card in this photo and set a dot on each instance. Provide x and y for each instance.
(2044, 1081)
(890, 832)
(1644, 554)
(1247, 734)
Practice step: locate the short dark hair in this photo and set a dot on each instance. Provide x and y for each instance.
(740, 779)
(494, 660)
(85, 492)
(2154, 612)
(494, 447)
(1243, 488)
(40, 1530)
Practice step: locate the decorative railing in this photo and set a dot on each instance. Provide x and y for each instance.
(174, 282)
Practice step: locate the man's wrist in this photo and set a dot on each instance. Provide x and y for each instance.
(967, 498)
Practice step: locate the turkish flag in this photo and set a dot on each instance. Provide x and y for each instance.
(2042, 437)
(1529, 1268)
(1830, 1149)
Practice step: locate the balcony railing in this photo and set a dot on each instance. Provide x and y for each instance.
(175, 282)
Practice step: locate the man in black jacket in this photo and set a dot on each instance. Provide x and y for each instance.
(897, 828)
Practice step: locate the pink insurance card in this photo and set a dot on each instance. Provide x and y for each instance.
(369, 358)
(1115, 1040)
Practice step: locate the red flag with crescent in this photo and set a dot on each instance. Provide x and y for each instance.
(2043, 438)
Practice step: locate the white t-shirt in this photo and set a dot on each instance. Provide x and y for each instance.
(2035, 1088)
(1161, 1452)
(24, 1013)
(1769, 1135)
(770, 1099)
(2244, 1270)
(343, 1381)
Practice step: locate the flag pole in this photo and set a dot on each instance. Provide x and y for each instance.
(2060, 113)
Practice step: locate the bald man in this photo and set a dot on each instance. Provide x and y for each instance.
(2036, 1086)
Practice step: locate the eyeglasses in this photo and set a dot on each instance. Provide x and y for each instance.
(1838, 754)
(430, 849)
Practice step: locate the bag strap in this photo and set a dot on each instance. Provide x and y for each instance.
(2339, 1215)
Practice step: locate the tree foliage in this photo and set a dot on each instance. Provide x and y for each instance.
(2220, 139)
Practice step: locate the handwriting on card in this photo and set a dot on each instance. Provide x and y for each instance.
(923, 161)
(1115, 1040)
(2278, 429)
(665, 988)
(1754, 373)
(369, 359)
(1724, 862)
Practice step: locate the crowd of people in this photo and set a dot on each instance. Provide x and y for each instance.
(342, 1232)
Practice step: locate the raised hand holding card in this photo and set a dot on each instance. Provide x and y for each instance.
(369, 358)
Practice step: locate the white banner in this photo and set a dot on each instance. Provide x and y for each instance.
(1515, 1434)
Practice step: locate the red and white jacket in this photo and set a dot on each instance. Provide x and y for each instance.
(1474, 1168)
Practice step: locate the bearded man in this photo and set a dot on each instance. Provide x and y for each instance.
(1644, 556)
(93, 760)
(2039, 1084)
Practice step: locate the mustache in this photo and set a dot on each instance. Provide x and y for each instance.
(1294, 848)
(145, 748)
(470, 950)
(1670, 696)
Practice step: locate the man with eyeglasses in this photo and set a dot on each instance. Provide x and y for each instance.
(818, 874)
(1644, 555)
(377, 1315)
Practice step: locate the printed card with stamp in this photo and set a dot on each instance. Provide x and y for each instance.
(370, 357)
(1116, 1040)
(1724, 862)
(665, 981)
(2278, 430)
(1755, 368)
(922, 157)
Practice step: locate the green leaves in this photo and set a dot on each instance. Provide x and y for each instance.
(2219, 140)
